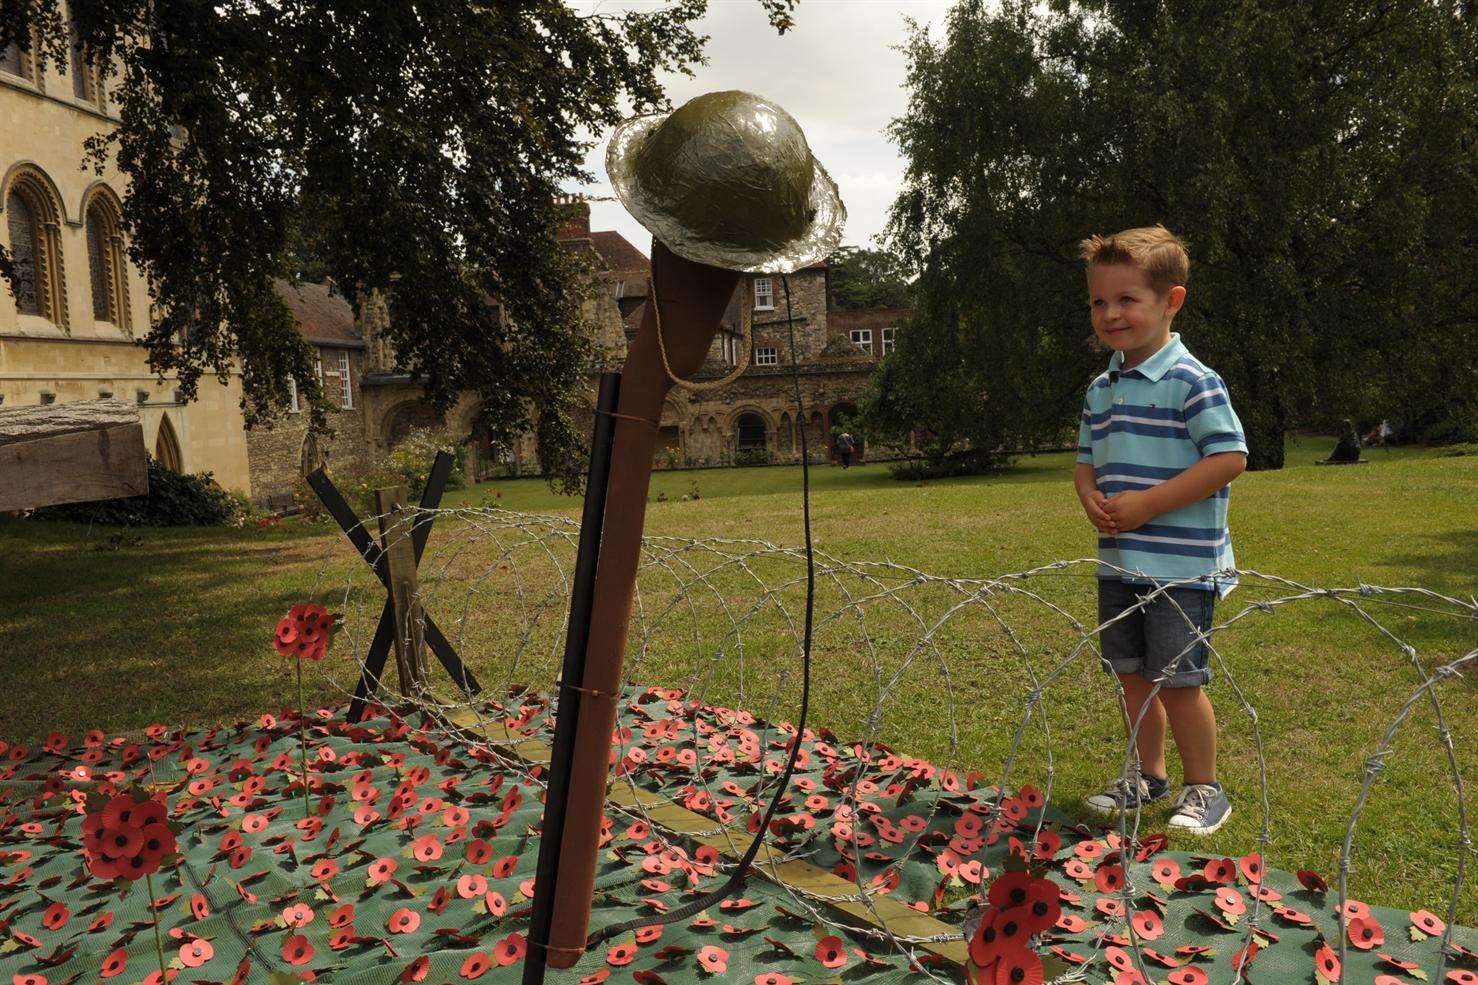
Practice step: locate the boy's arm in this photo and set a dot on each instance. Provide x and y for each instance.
(1136, 507)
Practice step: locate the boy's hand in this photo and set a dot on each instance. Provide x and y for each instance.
(1129, 509)
(1093, 505)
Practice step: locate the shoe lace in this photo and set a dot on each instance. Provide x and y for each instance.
(1196, 799)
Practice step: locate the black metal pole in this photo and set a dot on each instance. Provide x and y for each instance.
(573, 673)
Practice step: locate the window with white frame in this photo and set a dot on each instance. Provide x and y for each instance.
(292, 396)
(319, 370)
(766, 355)
(346, 391)
(764, 294)
(620, 289)
(862, 339)
(889, 339)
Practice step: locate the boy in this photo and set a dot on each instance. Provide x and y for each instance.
(1158, 447)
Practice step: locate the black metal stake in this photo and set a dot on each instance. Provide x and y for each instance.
(572, 676)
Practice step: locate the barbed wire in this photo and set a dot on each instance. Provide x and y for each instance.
(499, 583)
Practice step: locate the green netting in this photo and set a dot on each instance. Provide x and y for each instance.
(459, 822)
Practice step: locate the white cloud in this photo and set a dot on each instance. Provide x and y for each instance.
(837, 72)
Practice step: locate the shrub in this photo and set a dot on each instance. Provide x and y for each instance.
(752, 456)
(173, 500)
(411, 460)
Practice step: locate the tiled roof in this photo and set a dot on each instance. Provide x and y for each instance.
(321, 315)
(618, 252)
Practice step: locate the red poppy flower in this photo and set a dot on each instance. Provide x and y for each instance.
(403, 921)
(1147, 924)
(1071, 923)
(510, 950)
(596, 977)
(1187, 976)
(772, 978)
(56, 916)
(1462, 976)
(1019, 966)
(620, 955)
(713, 959)
(1088, 851)
(1009, 890)
(1229, 901)
(496, 904)
(1289, 914)
(1220, 870)
(298, 915)
(28, 980)
(1365, 933)
(1428, 923)
(1251, 866)
(381, 869)
(416, 970)
(296, 950)
(426, 848)
(1354, 908)
(1326, 962)
(342, 917)
(504, 867)
(1042, 907)
(831, 952)
(1109, 878)
(476, 965)
(196, 953)
(114, 963)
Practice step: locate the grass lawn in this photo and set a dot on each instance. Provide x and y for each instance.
(176, 629)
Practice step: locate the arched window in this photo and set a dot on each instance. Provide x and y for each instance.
(106, 265)
(750, 431)
(15, 61)
(33, 224)
(167, 446)
(85, 80)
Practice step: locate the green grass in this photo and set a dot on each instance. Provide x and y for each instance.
(177, 629)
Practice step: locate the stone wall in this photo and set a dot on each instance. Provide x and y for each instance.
(281, 453)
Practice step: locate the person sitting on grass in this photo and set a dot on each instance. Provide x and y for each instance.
(1158, 447)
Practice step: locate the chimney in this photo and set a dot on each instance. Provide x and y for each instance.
(575, 217)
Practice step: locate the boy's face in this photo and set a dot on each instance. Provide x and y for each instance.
(1128, 316)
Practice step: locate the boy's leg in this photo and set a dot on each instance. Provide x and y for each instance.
(1150, 740)
(1193, 721)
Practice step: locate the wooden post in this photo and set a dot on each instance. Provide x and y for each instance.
(400, 568)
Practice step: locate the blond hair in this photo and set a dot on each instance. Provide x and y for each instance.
(1154, 250)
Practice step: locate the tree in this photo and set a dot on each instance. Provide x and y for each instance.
(862, 278)
(1319, 158)
(426, 141)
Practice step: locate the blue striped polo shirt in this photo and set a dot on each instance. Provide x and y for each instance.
(1144, 425)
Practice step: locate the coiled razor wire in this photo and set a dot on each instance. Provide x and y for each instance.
(493, 571)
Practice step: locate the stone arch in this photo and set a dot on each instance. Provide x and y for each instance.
(671, 436)
(743, 409)
(310, 457)
(102, 221)
(401, 417)
(167, 446)
(34, 216)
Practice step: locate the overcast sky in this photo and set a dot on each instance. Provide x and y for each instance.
(837, 72)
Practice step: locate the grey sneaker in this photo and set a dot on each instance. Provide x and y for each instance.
(1200, 809)
(1119, 795)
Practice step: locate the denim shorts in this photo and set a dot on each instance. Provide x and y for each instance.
(1159, 636)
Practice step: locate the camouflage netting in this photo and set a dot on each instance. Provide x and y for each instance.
(417, 863)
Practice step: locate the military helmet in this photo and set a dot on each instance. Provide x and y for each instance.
(727, 179)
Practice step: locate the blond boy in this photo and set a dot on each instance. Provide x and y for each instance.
(1158, 447)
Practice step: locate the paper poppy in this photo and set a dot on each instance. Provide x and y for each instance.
(772, 978)
(297, 950)
(416, 970)
(1147, 924)
(1009, 890)
(1326, 963)
(342, 917)
(620, 955)
(114, 963)
(1462, 976)
(1365, 933)
(496, 904)
(56, 916)
(28, 980)
(713, 959)
(1187, 976)
(1071, 923)
(649, 934)
(1428, 923)
(476, 965)
(196, 953)
(1220, 870)
(381, 869)
(595, 977)
(1251, 866)
(403, 921)
(1290, 915)
(1019, 966)
(1355, 908)
(1042, 907)
(298, 915)
(1109, 878)
(1230, 902)
(510, 950)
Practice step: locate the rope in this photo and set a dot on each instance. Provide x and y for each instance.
(746, 320)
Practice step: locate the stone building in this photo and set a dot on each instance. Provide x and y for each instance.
(69, 332)
(282, 451)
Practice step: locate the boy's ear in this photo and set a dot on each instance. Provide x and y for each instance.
(1176, 298)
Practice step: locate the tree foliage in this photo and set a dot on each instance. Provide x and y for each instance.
(1321, 160)
(861, 278)
(410, 148)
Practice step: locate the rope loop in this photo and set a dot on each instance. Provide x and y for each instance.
(745, 327)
